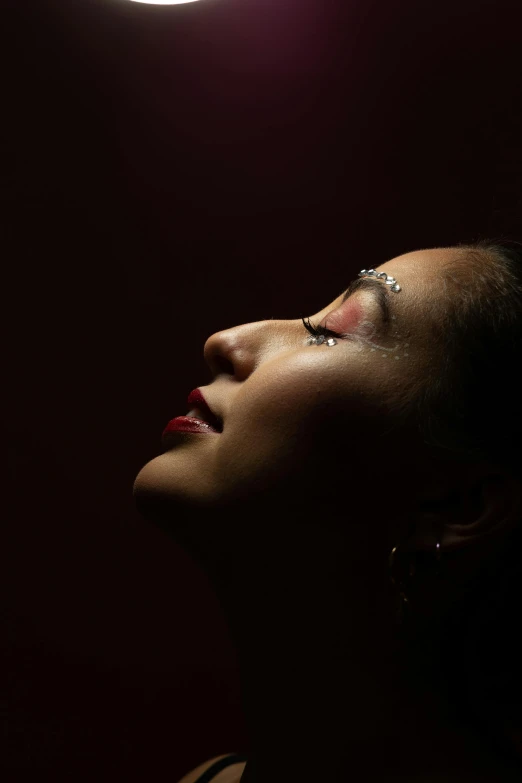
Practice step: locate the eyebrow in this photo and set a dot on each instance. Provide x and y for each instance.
(377, 288)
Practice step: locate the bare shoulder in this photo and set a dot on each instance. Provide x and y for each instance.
(230, 774)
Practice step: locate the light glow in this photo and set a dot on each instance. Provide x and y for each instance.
(164, 2)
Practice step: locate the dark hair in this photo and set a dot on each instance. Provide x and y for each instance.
(468, 409)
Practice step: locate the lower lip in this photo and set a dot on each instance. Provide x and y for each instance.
(188, 424)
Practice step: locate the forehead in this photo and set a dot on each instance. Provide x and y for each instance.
(424, 266)
(420, 275)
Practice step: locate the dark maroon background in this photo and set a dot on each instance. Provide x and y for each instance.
(167, 172)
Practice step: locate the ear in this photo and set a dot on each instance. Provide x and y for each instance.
(490, 506)
(478, 504)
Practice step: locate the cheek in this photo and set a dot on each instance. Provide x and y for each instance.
(277, 406)
(321, 401)
(289, 398)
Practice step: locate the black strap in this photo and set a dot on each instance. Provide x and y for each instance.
(234, 758)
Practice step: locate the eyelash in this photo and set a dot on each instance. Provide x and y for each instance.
(316, 331)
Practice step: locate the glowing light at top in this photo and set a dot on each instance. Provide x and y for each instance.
(164, 2)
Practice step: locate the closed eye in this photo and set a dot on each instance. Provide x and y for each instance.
(316, 331)
(380, 294)
(377, 289)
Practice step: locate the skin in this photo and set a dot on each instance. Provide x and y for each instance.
(292, 512)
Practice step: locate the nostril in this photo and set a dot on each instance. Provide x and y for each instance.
(221, 365)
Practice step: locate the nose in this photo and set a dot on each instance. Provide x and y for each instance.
(239, 350)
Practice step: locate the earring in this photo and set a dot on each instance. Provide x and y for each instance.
(409, 571)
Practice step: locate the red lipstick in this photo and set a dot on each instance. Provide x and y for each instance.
(196, 400)
(188, 424)
(200, 419)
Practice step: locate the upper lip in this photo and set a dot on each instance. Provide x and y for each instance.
(196, 400)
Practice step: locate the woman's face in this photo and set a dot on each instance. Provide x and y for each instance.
(296, 415)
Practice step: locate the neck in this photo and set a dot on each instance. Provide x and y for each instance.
(328, 684)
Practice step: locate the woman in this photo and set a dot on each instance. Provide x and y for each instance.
(351, 484)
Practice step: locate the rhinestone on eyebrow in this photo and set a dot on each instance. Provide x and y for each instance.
(391, 281)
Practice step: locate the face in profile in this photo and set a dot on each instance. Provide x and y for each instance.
(293, 427)
(293, 417)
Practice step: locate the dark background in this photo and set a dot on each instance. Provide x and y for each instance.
(168, 172)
